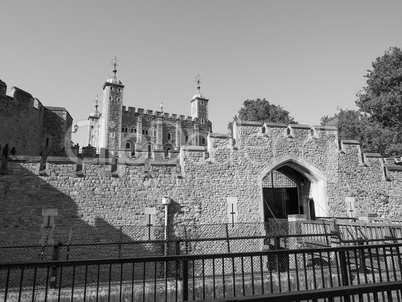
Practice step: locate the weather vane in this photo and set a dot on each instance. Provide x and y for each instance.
(198, 80)
(96, 103)
(114, 63)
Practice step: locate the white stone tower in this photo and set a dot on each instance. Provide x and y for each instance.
(111, 118)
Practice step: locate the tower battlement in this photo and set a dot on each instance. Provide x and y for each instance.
(137, 111)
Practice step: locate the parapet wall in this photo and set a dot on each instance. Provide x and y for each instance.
(200, 182)
(21, 122)
(136, 111)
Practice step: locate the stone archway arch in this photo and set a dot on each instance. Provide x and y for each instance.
(318, 181)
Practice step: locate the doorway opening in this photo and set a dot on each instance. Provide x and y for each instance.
(292, 186)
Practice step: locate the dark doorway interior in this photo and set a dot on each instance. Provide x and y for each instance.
(280, 202)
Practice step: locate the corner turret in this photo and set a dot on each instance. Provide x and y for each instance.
(199, 105)
(93, 129)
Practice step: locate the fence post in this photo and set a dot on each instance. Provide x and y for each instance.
(227, 237)
(344, 272)
(185, 280)
(120, 238)
(53, 277)
(362, 257)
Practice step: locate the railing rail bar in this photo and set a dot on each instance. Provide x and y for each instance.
(190, 257)
(317, 293)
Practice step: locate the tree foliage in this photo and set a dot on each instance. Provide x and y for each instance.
(378, 122)
(381, 99)
(262, 111)
(373, 136)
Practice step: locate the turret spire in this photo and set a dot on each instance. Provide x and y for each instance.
(198, 81)
(114, 63)
(96, 104)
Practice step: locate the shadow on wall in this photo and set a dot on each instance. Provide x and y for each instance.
(29, 229)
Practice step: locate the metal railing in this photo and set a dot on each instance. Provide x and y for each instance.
(137, 241)
(200, 277)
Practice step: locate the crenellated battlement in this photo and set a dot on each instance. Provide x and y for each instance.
(243, 130)
(140, 111)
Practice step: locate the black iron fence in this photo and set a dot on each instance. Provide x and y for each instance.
(138, 241)
(213, 276)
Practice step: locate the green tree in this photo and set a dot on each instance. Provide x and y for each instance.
(262, 111)
(378, 122)
(381, 99)
(348, 122)
(373, 136)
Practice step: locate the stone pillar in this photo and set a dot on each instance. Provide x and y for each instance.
(196, 135)
(159, 133)
(178, 134)
(139, 130)
(295, 228)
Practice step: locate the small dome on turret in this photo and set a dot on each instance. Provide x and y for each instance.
(198, 95)
(95, 114)
(114, 80)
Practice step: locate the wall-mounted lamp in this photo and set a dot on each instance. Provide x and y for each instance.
(75, 128)
(166, 200)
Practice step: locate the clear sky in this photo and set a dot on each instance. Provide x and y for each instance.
(307, 56)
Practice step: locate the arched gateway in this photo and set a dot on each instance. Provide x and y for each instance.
(291, 185)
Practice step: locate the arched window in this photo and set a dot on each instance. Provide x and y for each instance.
(203, 140)
(13, 151)
(167, 152)
(186, 139)
(149, 151)
(169, 136)
(128, 145)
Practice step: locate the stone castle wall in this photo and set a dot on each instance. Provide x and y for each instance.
(110, 192)
(21, 122)
(28, 127)
(169, 122)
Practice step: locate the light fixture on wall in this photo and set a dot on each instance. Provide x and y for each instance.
(166, 200)
(75, 128)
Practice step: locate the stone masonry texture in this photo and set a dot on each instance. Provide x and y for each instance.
(111, 192)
